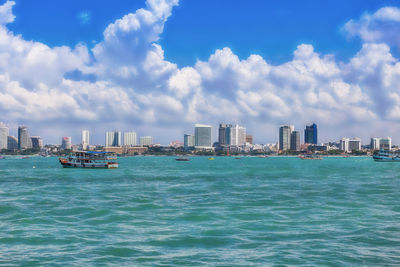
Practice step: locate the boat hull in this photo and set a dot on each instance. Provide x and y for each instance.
(386, 159)
(90, 165)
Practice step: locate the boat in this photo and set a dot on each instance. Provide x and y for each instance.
(182, 159)
(311, 157)
(386, 156)
(90, 159)
(211, 158)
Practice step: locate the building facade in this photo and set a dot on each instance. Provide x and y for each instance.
(37, 142)
(85, 139)
(113, 139)
(375, 143)
(311, 134)
(66, 143)
(249, 139)
(188, 141)
(285, 132)
(354, 144)
(24, 140)
(344, 144)
(385, 143)
(237, 135)
(4, 132)
(130, 139)
(224, 134)
(146, 140)
(295, 141)
(12, 143)
(203, 136)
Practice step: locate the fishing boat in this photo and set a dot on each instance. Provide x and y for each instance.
(90, 159)
(386, 156)
(311, 157)
(182, 159)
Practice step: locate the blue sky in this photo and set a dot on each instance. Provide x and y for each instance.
(272, 29)
(160, 66)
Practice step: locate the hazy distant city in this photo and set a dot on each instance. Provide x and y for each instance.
(232, 138)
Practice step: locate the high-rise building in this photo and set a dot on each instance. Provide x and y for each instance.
(24, 140)
(113, 139)
(66, 143)
(12, 143)
(344, 144)
(354, 144)
(37, 142)
(375, 143)
(285, 132)
(85, 139)
(385, 143)
(237, 135)
(295, 141)
(146, 141)
(4, 132)
(203, 136)
(224, 137)
(129, 139)
(188, 141)
(249, 139)
(311, 134)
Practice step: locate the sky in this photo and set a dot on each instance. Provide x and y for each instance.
(157, 67)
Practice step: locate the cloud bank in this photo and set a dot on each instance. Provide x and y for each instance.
(125, 82)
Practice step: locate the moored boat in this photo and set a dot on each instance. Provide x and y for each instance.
(386, 156)
(90, 159)
(311, 157)
(182, 159)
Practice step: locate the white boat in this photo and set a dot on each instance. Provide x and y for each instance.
(386, 156)
(90, 159)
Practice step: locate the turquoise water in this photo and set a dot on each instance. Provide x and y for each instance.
(157, 211)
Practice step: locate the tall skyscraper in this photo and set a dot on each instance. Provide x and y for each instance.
(311, 134)
(285, 132)
(85, 139)
(129, 139)
(224, 137)
(188, 141)
(12, 143)
(354, 144)
(375, 143)
(146, 140)
(4, 132)
(113, 139)
(66, 143)
(237, 135)
(344, 144)
(37, 142)
(203, 136)
(295, 141)
(385, 143)
(24, 140)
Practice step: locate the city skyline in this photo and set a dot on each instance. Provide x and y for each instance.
(141, 67)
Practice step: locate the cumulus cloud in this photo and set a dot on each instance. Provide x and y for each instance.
(125, 82)
(382, 26)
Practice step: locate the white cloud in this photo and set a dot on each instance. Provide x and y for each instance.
(135, 86)
(6, 15)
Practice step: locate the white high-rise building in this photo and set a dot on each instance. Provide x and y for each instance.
(66, 143)
(385, 143)
(4, 132)
(146, 140)
(375, 143)
(344, 144)
(85, 139)
(113, 139)
(285, 132)
(129, 139)
(203, 136)
(24, 140)
(354, 144)
(188, 141)
(237, 135)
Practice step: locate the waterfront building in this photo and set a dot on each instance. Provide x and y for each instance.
(285, 132)
(203, 136)
(37, 142)
(311, 134)
(375, 143)
(249, 139)
(113, 139)
(146, 141)
(344, 144)
(237, 135)
(385, 143)
(295, 141)
(4, 132)
(224, 137)
(66, 143)
(129, 138)
(354, 144)
(85, 139)
(188, 141)
(12, 143)
(24, 140)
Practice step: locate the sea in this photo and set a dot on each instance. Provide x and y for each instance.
(156, 211)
